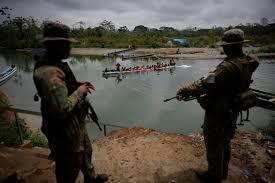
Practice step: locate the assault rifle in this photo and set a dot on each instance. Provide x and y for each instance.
(264, 99)
(184, 99)
(92, 115)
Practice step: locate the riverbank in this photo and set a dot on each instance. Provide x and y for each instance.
(146, 155)
(192, 53)
(182, 53)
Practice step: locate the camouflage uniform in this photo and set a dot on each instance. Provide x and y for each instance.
(232, 76)
(63, 109)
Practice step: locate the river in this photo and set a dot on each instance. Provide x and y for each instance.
(137, 98)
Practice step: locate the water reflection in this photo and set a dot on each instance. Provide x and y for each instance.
(79, 59)
(18, 79)
(24, 60)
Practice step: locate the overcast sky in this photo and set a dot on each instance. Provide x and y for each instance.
(151, 13)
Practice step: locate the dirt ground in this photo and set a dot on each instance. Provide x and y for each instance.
(93, 51)
(140, 155)
(183, 52)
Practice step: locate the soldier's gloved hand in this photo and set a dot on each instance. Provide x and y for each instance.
(182, 94)
(84, 89)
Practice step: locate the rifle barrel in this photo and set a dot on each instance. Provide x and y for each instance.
(184, 99)
(166, 100)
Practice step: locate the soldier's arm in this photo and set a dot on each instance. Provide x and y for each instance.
(61, 103)
(219, 80)
(195, 89)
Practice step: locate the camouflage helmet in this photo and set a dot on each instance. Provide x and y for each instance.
(233, 36)
(56, 32)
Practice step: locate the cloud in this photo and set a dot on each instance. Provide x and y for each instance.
(154, 13)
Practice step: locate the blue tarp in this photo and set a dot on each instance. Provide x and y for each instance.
(181, 41)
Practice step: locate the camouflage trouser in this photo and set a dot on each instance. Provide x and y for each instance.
(69, 164)
(218, 149)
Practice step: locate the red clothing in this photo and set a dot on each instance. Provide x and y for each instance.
(118, 66)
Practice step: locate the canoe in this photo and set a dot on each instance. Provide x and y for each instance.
(135, 71)
(7, 74)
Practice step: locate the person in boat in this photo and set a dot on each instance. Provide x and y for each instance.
(106, 70)
(158, 65)
(64, 107)
(178, 51)
(118, 67)
(221, 89)
(172, 62)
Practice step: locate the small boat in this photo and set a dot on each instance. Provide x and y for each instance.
(114, 73)
(7, 74)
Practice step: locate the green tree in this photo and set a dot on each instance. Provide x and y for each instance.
(141, 28)
(123, 29)
(108, 25)
(264, 21)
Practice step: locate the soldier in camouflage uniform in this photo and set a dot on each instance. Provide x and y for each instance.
(64, 107)
(219, 90)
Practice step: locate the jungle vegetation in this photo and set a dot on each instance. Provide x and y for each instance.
(26, 32)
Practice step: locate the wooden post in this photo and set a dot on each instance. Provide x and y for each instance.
(18, 128)
(105, 130)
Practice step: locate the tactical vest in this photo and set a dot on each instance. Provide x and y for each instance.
(246, 67)
(244, 98)
(238, 97)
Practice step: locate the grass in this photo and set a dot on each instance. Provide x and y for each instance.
(38, 139)
(9, 134)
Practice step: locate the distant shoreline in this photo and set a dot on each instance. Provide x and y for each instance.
(163, 53)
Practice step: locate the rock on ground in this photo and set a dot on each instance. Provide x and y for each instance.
(4, 102)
